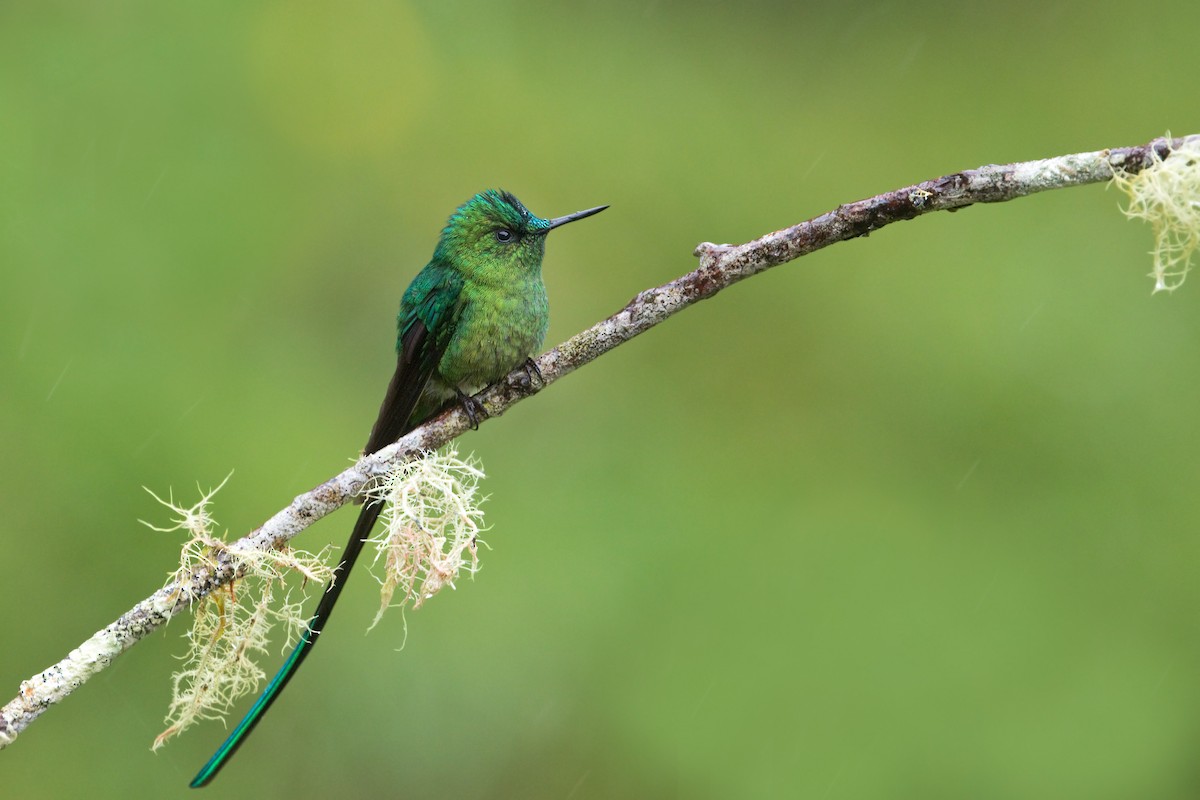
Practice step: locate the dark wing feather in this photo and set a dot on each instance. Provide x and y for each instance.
(428, 316)
(404, 391)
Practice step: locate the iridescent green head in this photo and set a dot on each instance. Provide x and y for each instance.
(493, 234)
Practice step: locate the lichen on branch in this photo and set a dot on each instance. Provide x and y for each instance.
(1167, 195)
(431, 528)
(232, 625)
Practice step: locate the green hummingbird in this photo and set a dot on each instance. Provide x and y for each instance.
(477, 311)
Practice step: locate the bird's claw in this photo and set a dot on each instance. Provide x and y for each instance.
(531, 369)
(472, 407)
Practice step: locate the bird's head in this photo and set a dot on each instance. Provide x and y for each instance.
(493, 235)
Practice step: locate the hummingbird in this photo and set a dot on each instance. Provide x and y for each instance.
(477, 311)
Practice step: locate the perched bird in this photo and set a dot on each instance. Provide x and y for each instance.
(475, 313)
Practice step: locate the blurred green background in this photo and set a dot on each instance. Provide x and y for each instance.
(912, 517)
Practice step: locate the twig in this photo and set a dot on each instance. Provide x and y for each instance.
(720, 266)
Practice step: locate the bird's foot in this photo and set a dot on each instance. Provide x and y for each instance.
(473, 408)
(531, 369)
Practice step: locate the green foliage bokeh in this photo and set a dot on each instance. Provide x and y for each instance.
(911, 517)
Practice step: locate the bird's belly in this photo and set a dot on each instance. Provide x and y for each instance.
(489, 344)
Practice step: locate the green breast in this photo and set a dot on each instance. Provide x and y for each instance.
(498, 328)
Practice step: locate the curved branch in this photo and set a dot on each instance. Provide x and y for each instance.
(720, 266)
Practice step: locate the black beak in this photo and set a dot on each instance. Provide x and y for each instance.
(557, 221)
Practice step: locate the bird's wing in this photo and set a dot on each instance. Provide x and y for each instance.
(428, 317)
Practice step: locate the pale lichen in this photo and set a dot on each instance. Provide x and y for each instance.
(431, 528)
(231, 627)
(1167, 195)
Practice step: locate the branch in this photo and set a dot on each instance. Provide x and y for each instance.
(720, 266)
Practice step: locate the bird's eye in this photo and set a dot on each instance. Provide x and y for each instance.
(504, 235)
